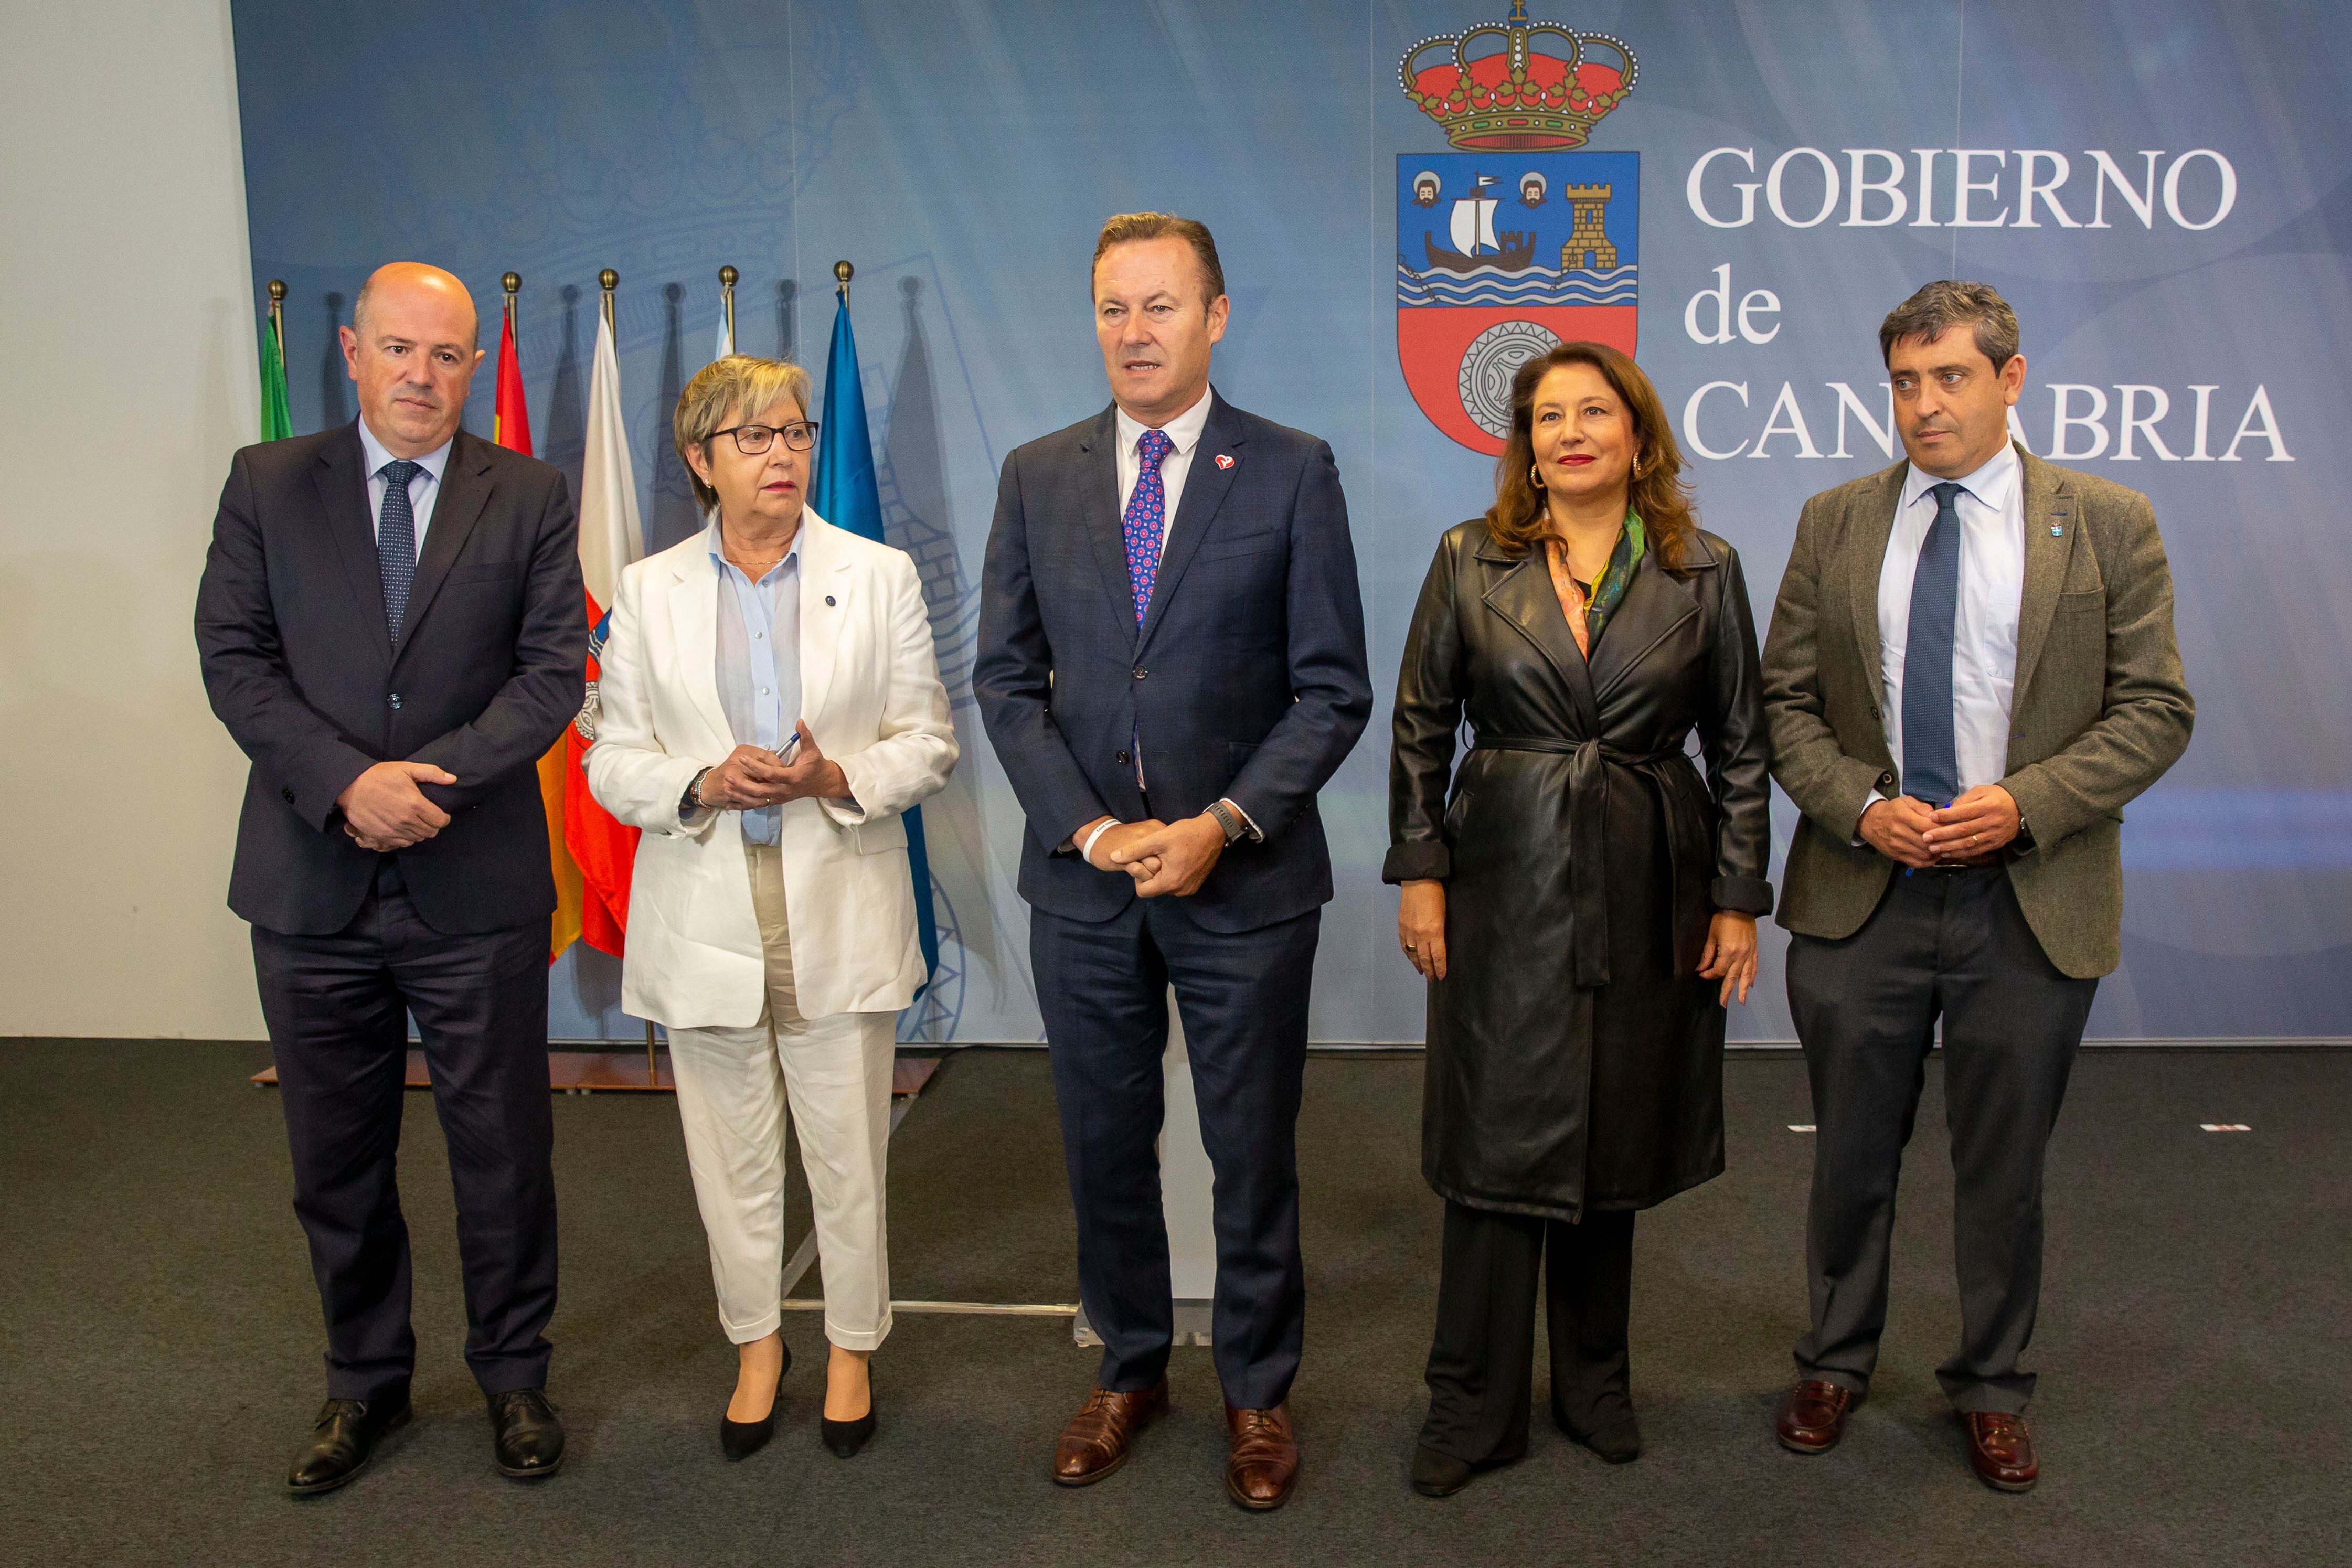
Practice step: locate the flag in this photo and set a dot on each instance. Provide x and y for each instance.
(845, 495)
(511, 428)
(277, 423)
(610, 538)
(726, 337)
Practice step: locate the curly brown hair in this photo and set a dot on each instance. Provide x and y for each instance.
(1659, 496)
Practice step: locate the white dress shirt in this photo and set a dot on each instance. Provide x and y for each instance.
(1991, 511)
(424, 488)
(1184, 430)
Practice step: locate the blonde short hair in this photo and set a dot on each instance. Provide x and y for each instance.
(727, 392)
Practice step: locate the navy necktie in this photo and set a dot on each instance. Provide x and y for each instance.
(1931, 767)
(395, 540)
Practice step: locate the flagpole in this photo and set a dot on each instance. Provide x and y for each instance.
(278, 314)
(512, 284)
(726, 276)
(843, 272)
(608, 281)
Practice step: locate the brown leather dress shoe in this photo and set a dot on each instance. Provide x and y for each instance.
(1263, 1468)
(1098, 1438)
(1813, 1415)
(2000, 1450)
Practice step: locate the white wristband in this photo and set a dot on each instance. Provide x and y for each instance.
(1086, 850)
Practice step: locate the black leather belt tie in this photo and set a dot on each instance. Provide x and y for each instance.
(1669, 773)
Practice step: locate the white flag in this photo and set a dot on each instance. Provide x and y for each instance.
(726, 337)
(610, 536)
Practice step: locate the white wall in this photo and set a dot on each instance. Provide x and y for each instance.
(127, 316)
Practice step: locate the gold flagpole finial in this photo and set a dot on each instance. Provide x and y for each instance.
(843, 272)
(726, 276)
(608, 281)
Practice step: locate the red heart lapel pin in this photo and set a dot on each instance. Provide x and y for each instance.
(1225, 459)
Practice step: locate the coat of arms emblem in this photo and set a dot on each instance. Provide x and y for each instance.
(1511, 243)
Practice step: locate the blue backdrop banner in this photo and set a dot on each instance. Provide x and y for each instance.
(1411, 198)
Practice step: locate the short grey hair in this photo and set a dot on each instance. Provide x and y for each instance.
(737, 388)
(1947, 303)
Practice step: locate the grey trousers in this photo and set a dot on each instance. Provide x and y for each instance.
(1952, 944)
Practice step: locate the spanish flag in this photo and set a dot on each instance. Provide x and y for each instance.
(511, 428)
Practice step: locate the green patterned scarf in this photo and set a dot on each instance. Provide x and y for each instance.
(1609, 587)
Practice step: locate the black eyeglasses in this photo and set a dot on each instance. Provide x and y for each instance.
(750, 440)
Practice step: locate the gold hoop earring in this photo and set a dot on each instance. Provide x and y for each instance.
(1637, 464)
(1535, 475)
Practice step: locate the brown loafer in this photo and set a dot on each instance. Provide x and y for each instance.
(2000, 1450)
(1813, 1415)
(1263, 1468)
(1101, 1435)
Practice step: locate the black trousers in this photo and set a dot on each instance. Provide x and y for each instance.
(337, 1009)
(1482, 1361)
(1954, 945)
(1103, 989)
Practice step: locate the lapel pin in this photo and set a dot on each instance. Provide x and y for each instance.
(2054, 532)
(1225, 459)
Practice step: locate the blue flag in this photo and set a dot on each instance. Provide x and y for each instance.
(846, 496)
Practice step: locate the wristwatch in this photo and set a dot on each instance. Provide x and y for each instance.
(1227, 819)
(692, 801)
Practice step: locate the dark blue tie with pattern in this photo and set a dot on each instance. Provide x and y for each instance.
(1931, 767)
(395, 540)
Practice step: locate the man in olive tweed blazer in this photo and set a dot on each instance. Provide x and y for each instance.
(1966, 681)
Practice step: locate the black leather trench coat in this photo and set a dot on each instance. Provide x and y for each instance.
(1575, 1057)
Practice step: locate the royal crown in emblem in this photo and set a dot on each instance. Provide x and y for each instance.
(1538, 89)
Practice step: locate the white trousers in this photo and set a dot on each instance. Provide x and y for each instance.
(734, 1087)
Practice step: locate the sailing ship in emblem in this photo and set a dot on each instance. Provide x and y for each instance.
(1475, 244)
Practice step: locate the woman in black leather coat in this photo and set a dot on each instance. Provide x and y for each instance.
(1583, 905)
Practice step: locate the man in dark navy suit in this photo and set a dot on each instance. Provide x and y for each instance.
(1172, 662)
(392, 627)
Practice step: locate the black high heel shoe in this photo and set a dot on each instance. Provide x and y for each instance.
(846, 1438)
(741, 1440)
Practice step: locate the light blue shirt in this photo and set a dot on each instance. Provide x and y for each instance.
(424, 488)
(757, 661)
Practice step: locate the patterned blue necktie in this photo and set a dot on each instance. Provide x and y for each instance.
(1931, 767)
(395, 540)
(1147, 516)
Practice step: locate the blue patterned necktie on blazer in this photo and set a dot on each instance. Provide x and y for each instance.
(1145, 522)
(395, 540)
(1931, 767)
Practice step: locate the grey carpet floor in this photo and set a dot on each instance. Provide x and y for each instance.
(159, 1342)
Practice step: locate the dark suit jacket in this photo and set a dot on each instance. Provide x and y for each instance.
(1246, 679)
(2099, 708)
(301, 667)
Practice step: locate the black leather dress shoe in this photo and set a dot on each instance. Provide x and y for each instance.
(527, 1435)
(1442, 1474)
(344, 1441)
(846, 1438)
(741, 1440)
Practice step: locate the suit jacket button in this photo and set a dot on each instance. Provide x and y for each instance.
(288, 794)
(396, 699)
(1887, 778)
(828, 600)
(1139, 672)
(1115, 756)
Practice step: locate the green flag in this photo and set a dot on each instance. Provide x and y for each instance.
(277, 423)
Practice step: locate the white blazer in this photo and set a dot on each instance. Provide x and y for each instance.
(871, 695)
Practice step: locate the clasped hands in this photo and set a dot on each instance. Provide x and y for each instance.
(753, 777)
(1164, 858)
(1972, 830)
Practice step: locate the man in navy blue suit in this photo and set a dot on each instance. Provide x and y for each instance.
(389, 624)
(1172, 664)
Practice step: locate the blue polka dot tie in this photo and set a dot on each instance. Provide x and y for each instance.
(1146, 517)
(395, 540)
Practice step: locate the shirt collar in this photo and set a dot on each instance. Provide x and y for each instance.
(378, 454)
(1992, 485)
(717, 549)
(1184, 430)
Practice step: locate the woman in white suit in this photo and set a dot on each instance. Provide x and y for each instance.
(770, 704)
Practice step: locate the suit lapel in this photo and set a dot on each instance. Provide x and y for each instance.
(466, 486)
(1523, 597)
(825, 583)
(1206, 484)
(1099, 515)
(1654, 605)
(2049, 504)
(1866, 560)
(343, 498)
(694, 633)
